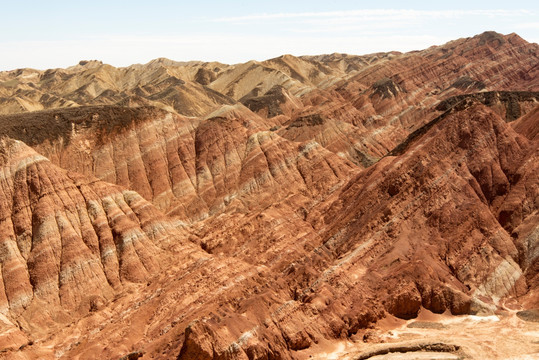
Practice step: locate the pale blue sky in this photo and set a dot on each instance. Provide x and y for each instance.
(48, 34)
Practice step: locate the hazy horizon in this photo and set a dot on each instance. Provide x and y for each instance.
(121, 33)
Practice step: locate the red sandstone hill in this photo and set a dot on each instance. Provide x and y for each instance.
(269, 210)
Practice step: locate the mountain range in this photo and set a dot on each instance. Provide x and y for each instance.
(279, 209)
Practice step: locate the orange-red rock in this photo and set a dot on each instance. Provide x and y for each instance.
(304, 200)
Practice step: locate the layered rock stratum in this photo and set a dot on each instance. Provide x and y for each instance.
(274, 209)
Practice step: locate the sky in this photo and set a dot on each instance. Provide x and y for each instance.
(52, 34)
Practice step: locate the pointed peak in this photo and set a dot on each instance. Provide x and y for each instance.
(490, 37)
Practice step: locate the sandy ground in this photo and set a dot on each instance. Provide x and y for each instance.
(439, 337)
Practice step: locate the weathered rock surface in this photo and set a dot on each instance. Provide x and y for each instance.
(69, 243)
(191, 168)
(397, 94)
(309, 199)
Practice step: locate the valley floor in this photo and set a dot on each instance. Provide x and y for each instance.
(439, 337)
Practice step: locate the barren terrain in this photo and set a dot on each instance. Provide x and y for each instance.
(382, 206)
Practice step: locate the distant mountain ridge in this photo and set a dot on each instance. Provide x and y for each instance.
(195, 88)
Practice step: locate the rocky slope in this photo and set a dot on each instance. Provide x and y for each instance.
(367, 104)
(69, 242)
(267, 209)
(388, 99)
(188, 167)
